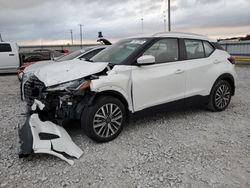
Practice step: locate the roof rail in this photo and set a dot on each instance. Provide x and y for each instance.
(162, 33)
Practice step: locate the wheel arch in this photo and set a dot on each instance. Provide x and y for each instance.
(227, 77)
(114, 94)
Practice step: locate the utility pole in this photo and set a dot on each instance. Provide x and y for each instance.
(142, 26)
(81, 25)
(169, 21)
(164, 20)
(1, 40)
(71, 34)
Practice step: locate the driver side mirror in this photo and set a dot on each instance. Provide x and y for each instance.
(146, 59)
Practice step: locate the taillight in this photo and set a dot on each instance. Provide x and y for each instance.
(231, 59)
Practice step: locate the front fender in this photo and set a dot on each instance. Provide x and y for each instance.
(115, 89)
(117, 80)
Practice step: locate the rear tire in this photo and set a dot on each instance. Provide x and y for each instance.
(220, 96)
(104, 120)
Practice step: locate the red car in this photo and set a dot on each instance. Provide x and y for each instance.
(33, 59)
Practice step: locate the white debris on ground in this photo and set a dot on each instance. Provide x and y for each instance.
(185, 148)
(38, 104)
(60, 142)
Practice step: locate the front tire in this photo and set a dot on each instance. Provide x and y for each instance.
(104, 120)
(220, 96)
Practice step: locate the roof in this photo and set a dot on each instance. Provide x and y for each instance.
(7, 42)
(176, 34)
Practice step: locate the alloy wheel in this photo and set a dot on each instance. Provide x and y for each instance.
(107, 120)
(222, 96)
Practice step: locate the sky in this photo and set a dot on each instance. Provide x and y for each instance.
(37, 22)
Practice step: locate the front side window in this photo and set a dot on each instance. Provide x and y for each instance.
(120, 51)
(164, 50)
(194, 49)
(5, 48)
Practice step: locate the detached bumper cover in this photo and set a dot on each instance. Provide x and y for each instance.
(46, 137)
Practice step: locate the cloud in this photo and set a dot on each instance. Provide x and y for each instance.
(221, 13)
(46, 20)
(17, 4)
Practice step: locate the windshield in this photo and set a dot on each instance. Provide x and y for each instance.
(119, 51)
(70, 56)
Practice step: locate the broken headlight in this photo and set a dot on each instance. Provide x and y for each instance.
(70, 86)
(26, 76)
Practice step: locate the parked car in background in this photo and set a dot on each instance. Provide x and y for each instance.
(134, 75)
(86, 53)
(42, 55)
(9, 57)
(64, 51)
(54, 54)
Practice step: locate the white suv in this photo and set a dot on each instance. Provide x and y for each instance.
(131, 76)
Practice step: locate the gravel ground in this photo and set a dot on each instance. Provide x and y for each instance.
(185, 148)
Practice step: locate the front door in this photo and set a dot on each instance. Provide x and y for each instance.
(161, 82)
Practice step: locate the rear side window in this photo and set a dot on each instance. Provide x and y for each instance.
(218, 46)
(5, 48)
(164, 50)
(194, 49)
(208, 48)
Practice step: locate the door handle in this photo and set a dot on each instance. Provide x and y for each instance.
(216, 61)
(11, 54)
(179, 71)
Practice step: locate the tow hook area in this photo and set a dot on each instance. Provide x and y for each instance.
(37, 136)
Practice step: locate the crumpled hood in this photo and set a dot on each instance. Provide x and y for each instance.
(60, 72)
(33, 67)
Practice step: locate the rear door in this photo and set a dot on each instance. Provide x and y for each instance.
(199, 67)
(8, 56)
(161, 82)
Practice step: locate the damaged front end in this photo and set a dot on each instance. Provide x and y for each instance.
(60, 101)
(54, 94)
(48, 108)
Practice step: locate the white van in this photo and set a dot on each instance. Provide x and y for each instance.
(9, 57)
